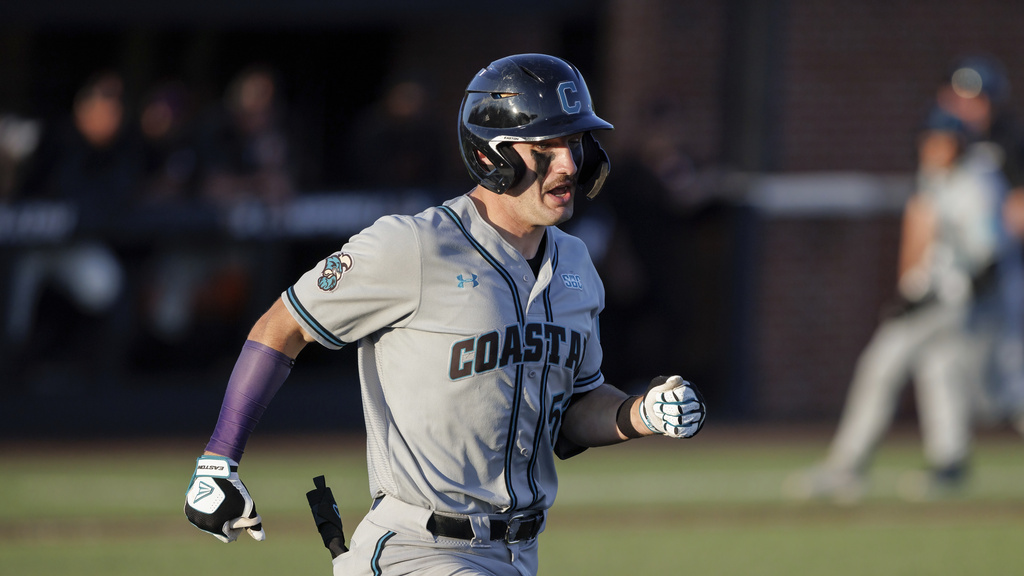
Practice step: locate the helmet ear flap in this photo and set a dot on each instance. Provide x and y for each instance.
(595, 169)
(505, 170)
(494, 166)
(516, 166)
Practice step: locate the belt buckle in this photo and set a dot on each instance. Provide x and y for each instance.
(512, 532)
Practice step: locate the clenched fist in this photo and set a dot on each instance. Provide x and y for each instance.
(673, 407)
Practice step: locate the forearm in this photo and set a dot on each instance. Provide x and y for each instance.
(595, 419)
(263, 365)
(259, 373)
(918, 230)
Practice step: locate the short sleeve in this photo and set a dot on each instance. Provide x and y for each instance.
(372, 283)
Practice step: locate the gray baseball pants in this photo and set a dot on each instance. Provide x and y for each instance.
(393, 539)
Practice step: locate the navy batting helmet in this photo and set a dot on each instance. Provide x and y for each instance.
(528, 98)
(980, 74)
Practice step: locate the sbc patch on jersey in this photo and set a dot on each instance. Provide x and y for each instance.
(335, 267)
(572, 281)
(205, 495)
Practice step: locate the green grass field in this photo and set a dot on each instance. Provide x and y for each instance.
(712, 505)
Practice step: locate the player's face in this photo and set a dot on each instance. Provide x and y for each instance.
(545, 195)
(937, 150)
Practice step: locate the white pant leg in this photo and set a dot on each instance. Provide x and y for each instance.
(882, 370)
(942, 388)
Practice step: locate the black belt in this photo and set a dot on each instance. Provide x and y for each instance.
(518, 526)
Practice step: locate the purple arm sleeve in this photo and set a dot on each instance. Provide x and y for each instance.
(258, 374)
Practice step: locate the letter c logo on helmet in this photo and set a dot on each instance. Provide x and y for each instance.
(527, 98)
(563, 95)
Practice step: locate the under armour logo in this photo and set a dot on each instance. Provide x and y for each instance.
(463, 281)
(204, 491)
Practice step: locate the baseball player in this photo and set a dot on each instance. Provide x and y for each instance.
(945, 329)
(478, 344)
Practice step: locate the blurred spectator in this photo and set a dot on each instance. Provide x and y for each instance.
(244, 158)
(171, 190)
(940, 332)
(95, 161)
(19, 138)
(397, 142)
(166, 124)
(94, 164)
(247, 153)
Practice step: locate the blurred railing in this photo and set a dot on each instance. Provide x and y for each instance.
(316, 214)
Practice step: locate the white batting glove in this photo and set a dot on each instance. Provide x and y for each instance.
(673, 407)
(218, 503)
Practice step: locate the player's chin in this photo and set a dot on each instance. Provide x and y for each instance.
(560, 213)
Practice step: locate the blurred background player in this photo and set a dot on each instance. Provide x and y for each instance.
(941, 331)
(977, 92)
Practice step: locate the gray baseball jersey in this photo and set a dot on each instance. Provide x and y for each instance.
(466, 360)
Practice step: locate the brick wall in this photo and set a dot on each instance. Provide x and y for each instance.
(663, 74)
(820, 284)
